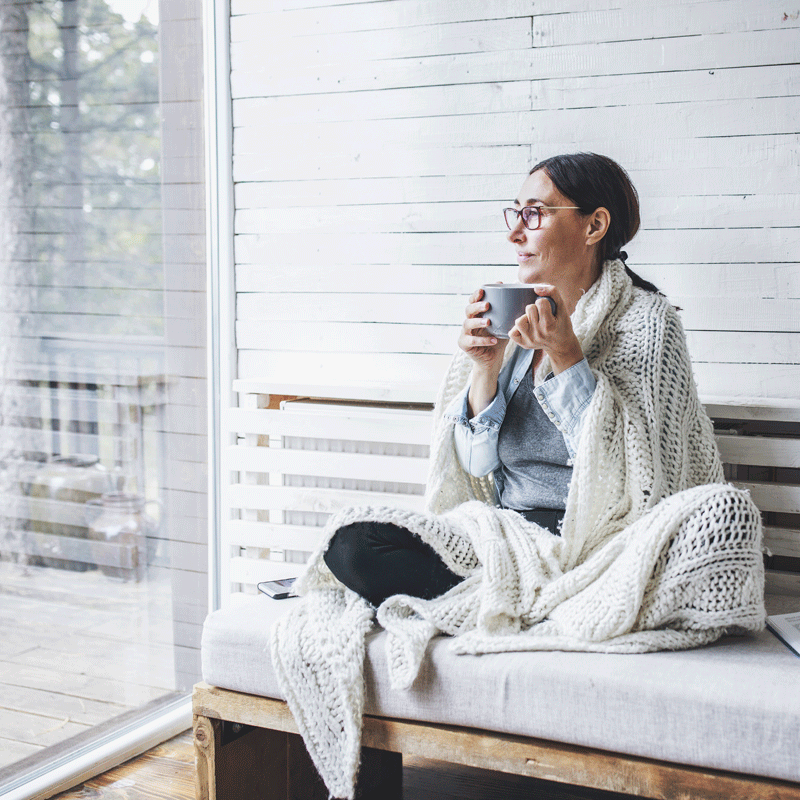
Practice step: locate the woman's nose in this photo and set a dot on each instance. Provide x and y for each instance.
(517, 233)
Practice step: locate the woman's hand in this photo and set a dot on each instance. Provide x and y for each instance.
(538, 329)
(485, 350)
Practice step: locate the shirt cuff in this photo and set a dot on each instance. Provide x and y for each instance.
(491, 417)
(565, 398)
(475, 439)
(457, 411)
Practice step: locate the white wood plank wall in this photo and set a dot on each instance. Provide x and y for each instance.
(375, 142)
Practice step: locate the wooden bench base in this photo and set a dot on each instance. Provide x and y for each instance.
(264, 757)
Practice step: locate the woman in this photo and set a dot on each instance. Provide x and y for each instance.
(574, 498)
(573, 213)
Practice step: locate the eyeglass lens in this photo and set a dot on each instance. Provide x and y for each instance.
(531, 217)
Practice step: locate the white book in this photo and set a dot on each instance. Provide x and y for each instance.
(787, 628)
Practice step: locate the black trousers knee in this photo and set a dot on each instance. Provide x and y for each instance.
(379, 559)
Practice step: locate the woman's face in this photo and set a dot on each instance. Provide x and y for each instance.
(558, 252)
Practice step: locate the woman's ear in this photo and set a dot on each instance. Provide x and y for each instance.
(599, 222)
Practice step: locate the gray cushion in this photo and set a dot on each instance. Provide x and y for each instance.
(734, 705)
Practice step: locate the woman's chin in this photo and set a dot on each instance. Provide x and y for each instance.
(527, 274)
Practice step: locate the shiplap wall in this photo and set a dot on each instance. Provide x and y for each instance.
(375, 142)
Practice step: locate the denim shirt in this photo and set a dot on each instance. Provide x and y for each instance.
(563, 397)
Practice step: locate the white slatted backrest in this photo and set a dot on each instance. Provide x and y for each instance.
(296, 466)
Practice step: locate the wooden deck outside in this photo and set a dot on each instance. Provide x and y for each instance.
(77, 649)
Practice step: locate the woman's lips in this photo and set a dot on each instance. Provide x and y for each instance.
(521, 256)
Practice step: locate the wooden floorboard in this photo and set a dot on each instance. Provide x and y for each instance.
(168, 772)
(77, 650)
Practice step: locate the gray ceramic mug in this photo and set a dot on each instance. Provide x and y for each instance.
(507, 302)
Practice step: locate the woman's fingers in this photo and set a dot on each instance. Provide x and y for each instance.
(474, 323)
(473, 329)
(473, 309)
(473, 334)
(480, 341)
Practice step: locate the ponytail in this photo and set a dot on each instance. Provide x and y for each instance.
(638, 280)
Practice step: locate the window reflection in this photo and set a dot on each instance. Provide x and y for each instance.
(102, 399)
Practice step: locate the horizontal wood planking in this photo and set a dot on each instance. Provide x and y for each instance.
(477, 100)
(246, 533)
(655, 247)
(784, 583)
(659, 21)
(453, 214)
(415, 377)
(319, 463)
(360, 162)
(714, 339)
(326, 47)
(756, 409)
(774, 331)
(723, 51)
(760, 450)
(550, 93)
(731, 381)
(642, 21)
(408, 428)
(310, 17)
(773, 496)
(684, 87)
(355, 337)
(250, 571)
(695, 280)
(383, 424)
(654, 178)
(433, 124)
(411, 10)
(726, 94)
(324, 501)
(783, 541)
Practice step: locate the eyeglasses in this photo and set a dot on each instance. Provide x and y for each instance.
(531, 216)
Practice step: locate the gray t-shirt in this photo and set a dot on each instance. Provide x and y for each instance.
(533, 454)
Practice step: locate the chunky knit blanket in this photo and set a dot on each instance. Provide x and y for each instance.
(655, 552)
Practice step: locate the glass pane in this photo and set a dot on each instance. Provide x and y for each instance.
(102, 399)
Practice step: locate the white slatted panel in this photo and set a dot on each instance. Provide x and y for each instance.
(293, 468)
(760, 445)
(375, 142)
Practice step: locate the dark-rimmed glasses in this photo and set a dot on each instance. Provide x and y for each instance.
(531, 215)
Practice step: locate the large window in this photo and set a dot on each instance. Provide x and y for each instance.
(103, 545)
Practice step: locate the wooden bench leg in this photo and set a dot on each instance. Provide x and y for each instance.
(240, 762)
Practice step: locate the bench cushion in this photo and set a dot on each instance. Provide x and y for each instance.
(733, 705)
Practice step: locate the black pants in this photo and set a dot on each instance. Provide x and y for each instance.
(379, 559)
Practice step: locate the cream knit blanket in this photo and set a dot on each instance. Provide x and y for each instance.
(656, 551)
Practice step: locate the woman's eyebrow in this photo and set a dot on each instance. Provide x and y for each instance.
(530, 201)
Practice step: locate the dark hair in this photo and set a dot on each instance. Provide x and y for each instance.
(592, 181)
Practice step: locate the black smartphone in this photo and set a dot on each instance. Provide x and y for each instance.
(277, 590)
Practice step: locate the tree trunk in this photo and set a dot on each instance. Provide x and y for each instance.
(74, 250)
(15, 227)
